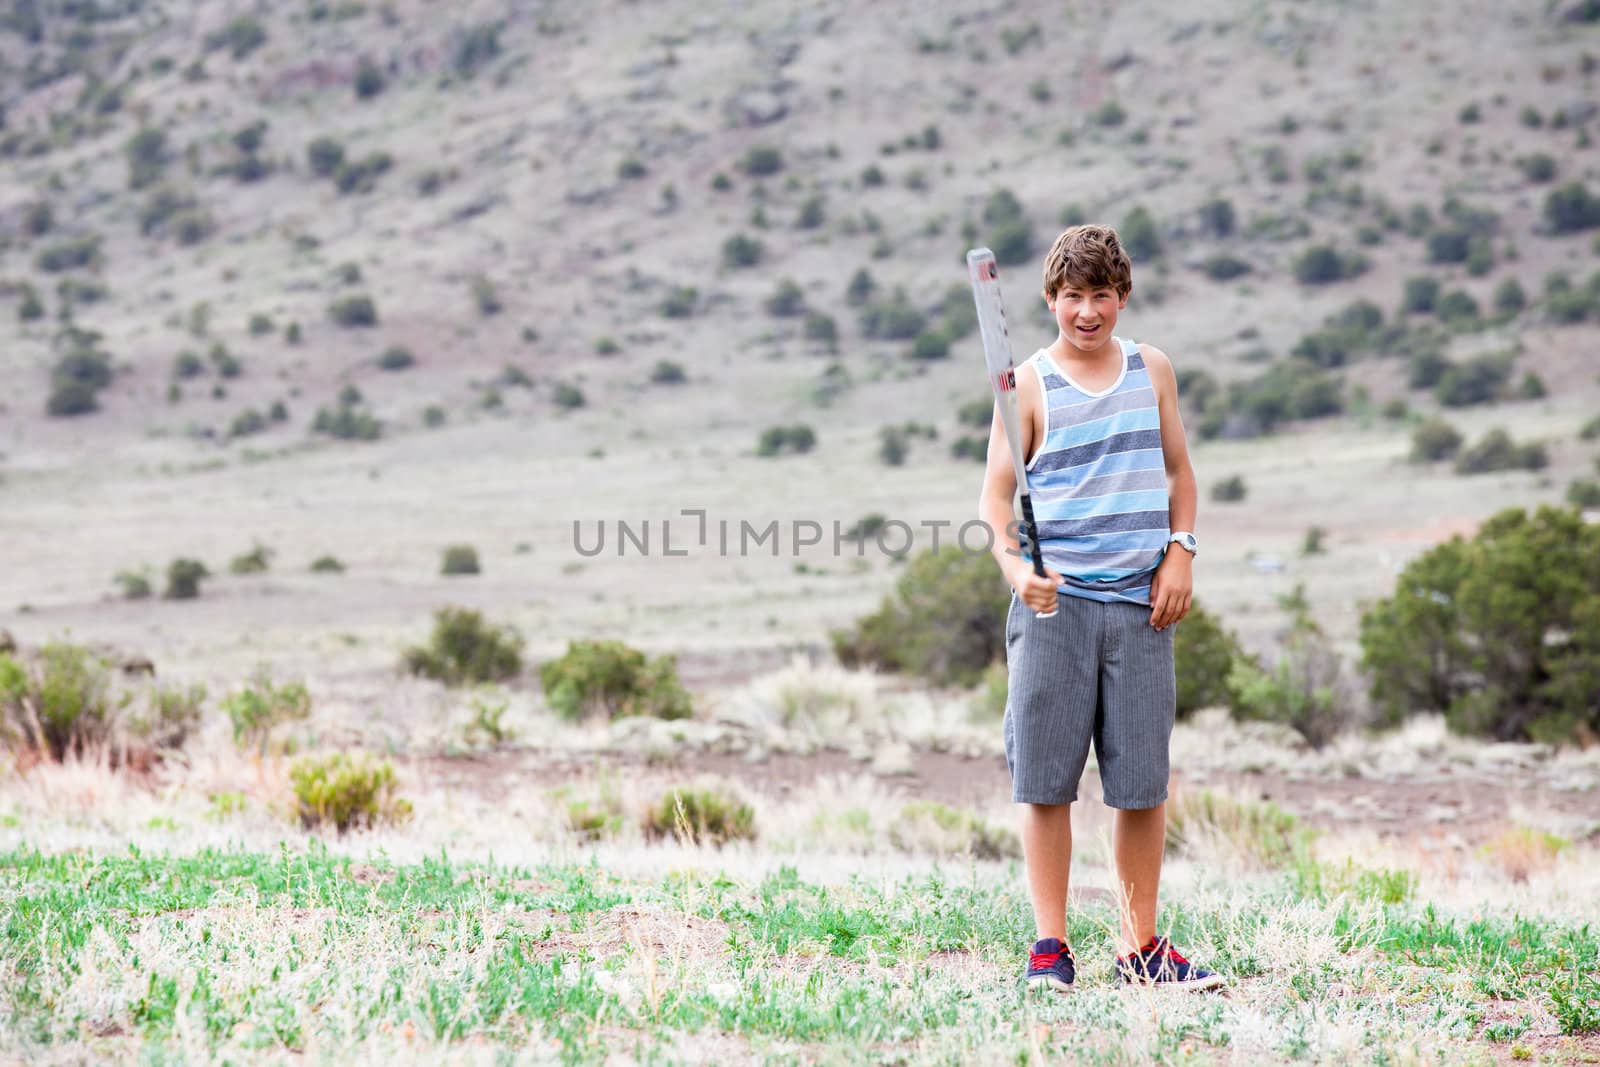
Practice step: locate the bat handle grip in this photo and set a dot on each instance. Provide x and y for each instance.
(1031, 532)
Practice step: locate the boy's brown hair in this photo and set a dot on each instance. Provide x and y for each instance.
(1090, 257)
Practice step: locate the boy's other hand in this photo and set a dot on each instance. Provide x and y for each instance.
(1036, 592)
(1172, 589)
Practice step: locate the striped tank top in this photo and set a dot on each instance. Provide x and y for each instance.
(1099, 482)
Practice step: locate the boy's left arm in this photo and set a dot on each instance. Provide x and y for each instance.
(1173, 587)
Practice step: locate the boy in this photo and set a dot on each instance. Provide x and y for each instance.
(1113, 492)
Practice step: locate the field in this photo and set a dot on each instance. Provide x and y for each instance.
(309, 294)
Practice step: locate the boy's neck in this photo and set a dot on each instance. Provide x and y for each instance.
(1064, 351)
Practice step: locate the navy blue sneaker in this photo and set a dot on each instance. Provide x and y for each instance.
(1160, 965)
(1051, 966)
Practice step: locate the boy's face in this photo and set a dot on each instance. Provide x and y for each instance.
(1086, 316)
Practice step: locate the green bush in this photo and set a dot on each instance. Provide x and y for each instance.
(396, 358)
(1217, 217)
(1458, 308)
(146, 152)
(324, 155)
(183, 579)
(370, 80)
(945, 620)
(135, 585)
(1572, 208)
(930, 344)
(761, 160)
(1434, 440)
(1500, 632)
(30, 307)
(1140, 236)
(240, 36)
(1323, 264)
(821, 328)
(259, 707)
(1584, 493)
(1421, 295)
(787, 300)
(69, 398)
(485, 296)
(609, 679)
(1230, 490)
(70, 253)
(1305, 690)
(1590, 431)
(1224, 267)
(256, 561)
(1204, 653)
(860, 288)
(191, 227)
(666, 372)
(929, 826)
(1495, 451)
(1110, 114)
(347, 792)
(1509, 298)
(680, 301)
(63, 706)
(705, 814)
(476, 47)
(361, 175)
(327, 565)
(567, 396)
(465, 649)
(741, 250)
(813, 213)
(459, 559)
(1479, 380)
(776, 439)
(347, 422)
(895, 319)
(356, 310)
(169, 715)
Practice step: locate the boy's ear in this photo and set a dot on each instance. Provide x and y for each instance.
(1124, 301)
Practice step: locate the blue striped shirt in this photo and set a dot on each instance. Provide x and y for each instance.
(1099, 481)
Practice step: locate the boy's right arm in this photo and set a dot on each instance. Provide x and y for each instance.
(995, 502)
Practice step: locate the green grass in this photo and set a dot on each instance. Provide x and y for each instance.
(241, 956)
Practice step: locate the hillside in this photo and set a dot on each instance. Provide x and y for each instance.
(537, 202)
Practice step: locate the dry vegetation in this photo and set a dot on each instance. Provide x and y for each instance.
(324, 324)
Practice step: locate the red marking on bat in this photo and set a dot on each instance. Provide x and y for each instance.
(1005, 382)
(988, 271)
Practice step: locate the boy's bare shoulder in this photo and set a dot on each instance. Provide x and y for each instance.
(1159, 364)
(1154, 357)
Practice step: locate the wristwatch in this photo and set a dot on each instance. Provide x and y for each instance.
(1185, 541)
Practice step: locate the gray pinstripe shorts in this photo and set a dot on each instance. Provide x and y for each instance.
(1095, 672)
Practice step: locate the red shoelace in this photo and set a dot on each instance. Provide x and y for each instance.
(1039, 961)
(1161, 947)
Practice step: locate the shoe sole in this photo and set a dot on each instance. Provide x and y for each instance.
(1049, 981)
(1199, 985)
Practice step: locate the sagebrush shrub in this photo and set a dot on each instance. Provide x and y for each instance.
(260, 706)
(1205, 653)
(464, 648)
(929, 826)
(945, 620)
(610, 679)
(63, 705)
(1306, 689)
(706, 814)
(347, 792)
(183, 578)
(459, 559)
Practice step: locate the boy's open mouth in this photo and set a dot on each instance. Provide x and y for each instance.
(1087, 330)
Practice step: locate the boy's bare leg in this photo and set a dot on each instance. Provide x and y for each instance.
(1047, 854)
(1140, 839)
